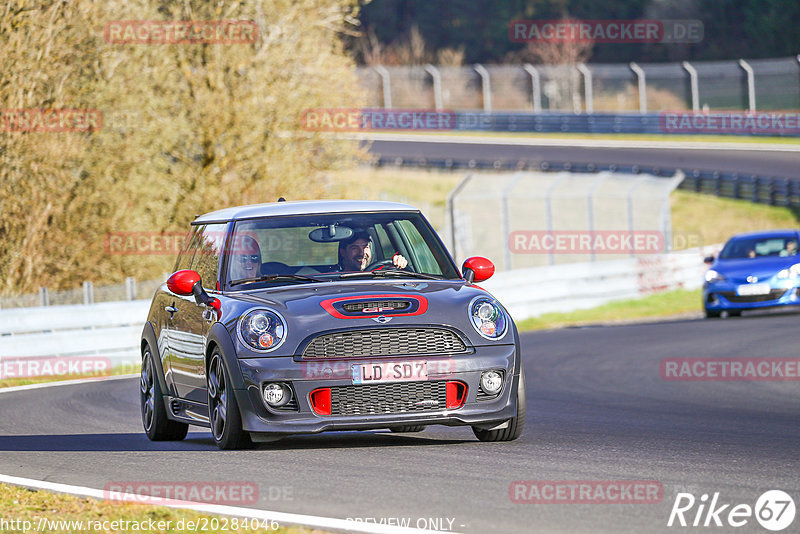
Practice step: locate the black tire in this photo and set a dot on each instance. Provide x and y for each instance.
(157, 425)
(515, 425)
(712, 314)
(408, 428)
(223, 410)
(735, 313)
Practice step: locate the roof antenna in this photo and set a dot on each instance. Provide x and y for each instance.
(281, 199)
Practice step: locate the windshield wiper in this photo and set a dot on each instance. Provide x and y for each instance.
(271, 277)
(384, 272)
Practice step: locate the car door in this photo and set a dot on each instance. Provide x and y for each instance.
(191, 321)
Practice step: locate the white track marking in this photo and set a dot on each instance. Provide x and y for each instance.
(282, 518)
(66, 382)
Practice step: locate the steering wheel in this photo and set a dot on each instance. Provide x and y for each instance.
(374, 265)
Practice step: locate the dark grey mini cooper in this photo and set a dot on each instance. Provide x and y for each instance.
(302, 317)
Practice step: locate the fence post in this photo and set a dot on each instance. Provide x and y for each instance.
(486, 85)
(751, 84)
(599, 179)
(437, 86)
(44, 296)
(587, 87)
(451, 211)
(548, 212)
(694, 87)
(130, 288)
(88, 292)
(536, 84)
(642, 83)
(506, 218)
(386, 82)
(629, 205)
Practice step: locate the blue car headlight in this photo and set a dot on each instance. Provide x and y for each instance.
(488, 318)
(262, 330)
(713, 276)
(791, 272)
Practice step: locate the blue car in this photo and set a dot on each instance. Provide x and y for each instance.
(754, 270)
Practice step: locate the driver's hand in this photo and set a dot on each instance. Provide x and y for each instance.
(399, 261)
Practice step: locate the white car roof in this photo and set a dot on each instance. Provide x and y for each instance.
(300, 207)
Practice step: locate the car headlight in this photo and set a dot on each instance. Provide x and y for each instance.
(791, 272)
(488, 318)
(262, 330)
(713, 276)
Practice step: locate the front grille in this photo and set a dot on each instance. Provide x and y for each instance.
(774, 294)
(385, 304)
(399, 397)
(384, 342)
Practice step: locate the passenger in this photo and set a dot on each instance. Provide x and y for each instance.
(246, 259)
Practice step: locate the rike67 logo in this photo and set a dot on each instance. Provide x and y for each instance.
(774, 510)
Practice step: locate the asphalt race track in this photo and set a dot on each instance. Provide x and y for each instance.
(597, 410)
(767, 163)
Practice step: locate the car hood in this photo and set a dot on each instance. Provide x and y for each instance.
(738, 270)
(309, 308)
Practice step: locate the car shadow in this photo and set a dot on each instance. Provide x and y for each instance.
(202, 441)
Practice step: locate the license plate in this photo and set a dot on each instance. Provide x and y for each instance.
(746, 290)
(373, 373)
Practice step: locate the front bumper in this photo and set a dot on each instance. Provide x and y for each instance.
(723, 297)
(477, 410)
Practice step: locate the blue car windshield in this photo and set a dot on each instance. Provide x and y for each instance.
(301, 248)
(759, 247)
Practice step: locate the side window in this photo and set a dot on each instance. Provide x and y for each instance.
(385, 244)
(425, 260)
(207, 248)
(184, 260)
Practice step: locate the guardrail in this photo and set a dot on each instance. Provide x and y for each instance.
(109, 329)
(772, 190)
(112, 329)
(678, 123)
(574, 286)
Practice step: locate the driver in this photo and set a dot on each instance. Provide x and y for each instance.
(790, 250)
(355, 253)
(246, 260)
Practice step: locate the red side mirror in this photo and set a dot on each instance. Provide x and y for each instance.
(182, 282)
(477, 269)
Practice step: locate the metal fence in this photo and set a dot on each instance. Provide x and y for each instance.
(772, 190)
(531, 219)
(758, 84)
(88, 293)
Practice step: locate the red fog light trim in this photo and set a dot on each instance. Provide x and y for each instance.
(321, 401)
(456, 394)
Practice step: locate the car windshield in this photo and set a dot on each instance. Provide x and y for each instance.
(309, 248)
(759, 247)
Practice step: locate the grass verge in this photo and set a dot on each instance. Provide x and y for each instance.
(53, 512)
(24, 381)
(659, 306)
